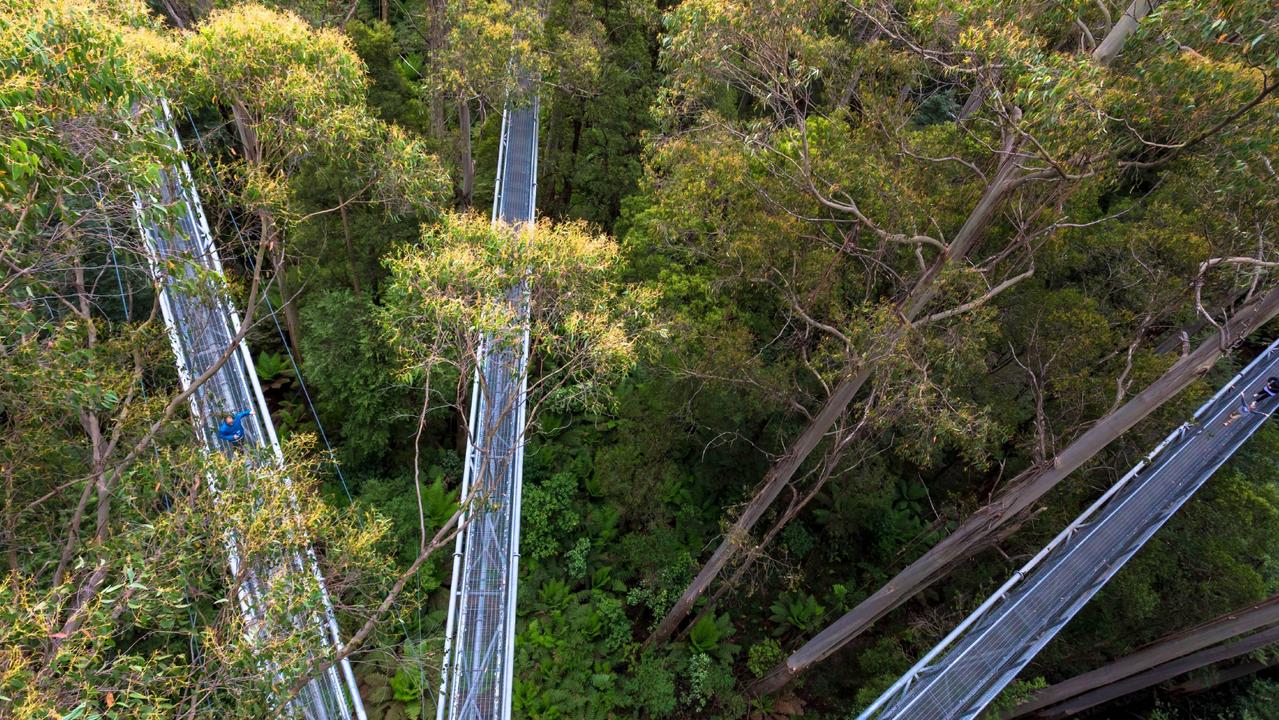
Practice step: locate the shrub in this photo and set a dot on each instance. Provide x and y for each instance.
(576, 558)
(763, 655)
(798, 610)
(548, 516)
(651, 687)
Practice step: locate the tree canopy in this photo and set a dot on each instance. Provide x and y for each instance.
(837, 311)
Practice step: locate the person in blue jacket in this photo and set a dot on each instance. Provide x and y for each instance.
(231, 430)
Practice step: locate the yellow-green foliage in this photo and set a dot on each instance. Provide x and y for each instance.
(489, 43)
(299, 92)
(168, 584)
(278, 67)
(72, 76)
(143, 572)
(455, 288)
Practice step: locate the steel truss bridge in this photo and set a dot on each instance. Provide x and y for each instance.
(202, 326)
(477, 677)
(966, 671)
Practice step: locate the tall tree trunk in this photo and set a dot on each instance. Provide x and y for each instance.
(1179, 644)
(461, 436)
(1114, 41)
(981, 526)
(435, 46)
(1221, 675)
(569, 162)
(9, 535)
(844, 440)
(244, 127)
(986, 80)
(1162, 673)
(350, 249)
(90, 421)
(552, 149)
(465, 142)
(978, 529)
(292, 320)
(781, 473)
(437, 117)
(92, 426)
(95, 480)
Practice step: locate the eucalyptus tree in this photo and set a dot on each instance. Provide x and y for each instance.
(448, 295)
(1224, 150)
(1152, 663)
(480, 51)
(451, 291)
(74, 147)
(296, 94)
(482, 46)
(825, 153)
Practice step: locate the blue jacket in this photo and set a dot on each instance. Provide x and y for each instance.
(234, 431)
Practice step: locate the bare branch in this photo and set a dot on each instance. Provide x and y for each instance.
(974, 304)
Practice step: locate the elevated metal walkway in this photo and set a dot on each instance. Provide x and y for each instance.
(202, 324)
(971, 665)
(479, 646)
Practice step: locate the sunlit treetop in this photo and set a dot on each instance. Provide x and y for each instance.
(288, 76)
(300, 92)
(464, 282)
(75, 79)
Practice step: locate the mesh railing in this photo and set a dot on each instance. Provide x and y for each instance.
(202, 326)
(992, 645)
(477, 677)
